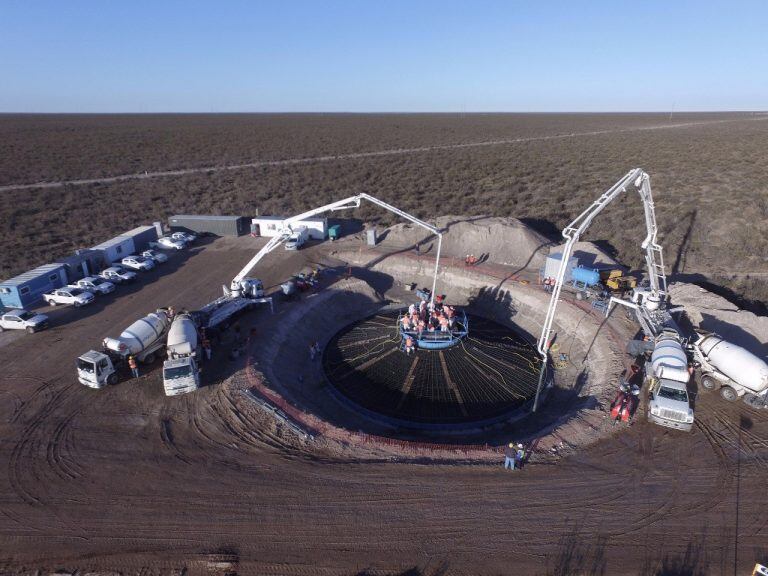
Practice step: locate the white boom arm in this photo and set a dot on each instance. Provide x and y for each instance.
(351, 202)
(573, 232)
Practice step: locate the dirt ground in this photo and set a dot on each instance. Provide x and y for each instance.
(127, 480)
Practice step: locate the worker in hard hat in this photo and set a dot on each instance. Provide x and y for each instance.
(408, 345)
(510, 456)
(133, 366)
(520, 456)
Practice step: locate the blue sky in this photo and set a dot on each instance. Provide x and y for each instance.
(357, 56)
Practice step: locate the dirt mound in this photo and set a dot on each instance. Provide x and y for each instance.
(714, 313)
(501, 240)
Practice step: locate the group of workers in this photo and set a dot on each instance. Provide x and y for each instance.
(428, 317)
(514, 456)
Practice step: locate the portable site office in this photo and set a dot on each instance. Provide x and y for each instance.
(28, 288)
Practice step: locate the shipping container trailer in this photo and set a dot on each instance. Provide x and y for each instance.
(28, 288)
(206, 224)
(141, 237)
(116, 249)
(82, 263)
(317, 228)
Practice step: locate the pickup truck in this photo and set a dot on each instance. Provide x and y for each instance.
(157, 257)
(23, 320)
(185, 237)
(138, 263)
(68, 295)
(118, 274)
(170, 244)
(95, 285)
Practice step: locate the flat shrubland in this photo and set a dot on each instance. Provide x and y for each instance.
(710, 181)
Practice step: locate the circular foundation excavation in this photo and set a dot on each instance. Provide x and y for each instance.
(489, 373)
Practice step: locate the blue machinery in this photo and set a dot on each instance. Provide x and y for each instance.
(437, 339)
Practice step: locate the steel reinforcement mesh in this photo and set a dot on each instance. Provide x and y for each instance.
(490, 372)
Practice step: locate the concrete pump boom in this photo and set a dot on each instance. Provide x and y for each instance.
(572, 233)
(346, 203)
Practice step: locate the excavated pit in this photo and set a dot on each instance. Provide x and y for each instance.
(481, 379)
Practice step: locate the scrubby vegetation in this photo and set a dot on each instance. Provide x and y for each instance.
(710, 180)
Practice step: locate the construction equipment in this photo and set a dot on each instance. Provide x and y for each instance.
(142, 340)
(668, 402)
(180, 371)
(241, 283)
(645, 301)
(735, 371)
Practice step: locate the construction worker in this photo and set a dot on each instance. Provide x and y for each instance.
(510, 456)
(133, 366)
(207, 347)
(408, 345)
(171, 313)
(520, 456)
(312, 351)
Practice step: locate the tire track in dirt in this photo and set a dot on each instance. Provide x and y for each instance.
(360, 155)
(23, 454)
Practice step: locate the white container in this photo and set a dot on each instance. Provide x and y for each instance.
(552, 265)
(182, 337)
(668, 359)
(738, 364)
(140, 334)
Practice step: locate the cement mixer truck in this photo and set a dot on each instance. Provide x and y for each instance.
(180, 371)
(668, 402)
(143, 340)
(735, 371)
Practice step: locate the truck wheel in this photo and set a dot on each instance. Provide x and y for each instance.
(76, 304)
(1, 328)
(51, 302)
(728, 394)
(149, 358)
(112, 379)
(30, 330)
(708, 383)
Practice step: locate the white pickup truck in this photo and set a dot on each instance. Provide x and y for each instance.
(23, 320)
(67, 295)
(118, 274)
(95, 285)
(138, 263)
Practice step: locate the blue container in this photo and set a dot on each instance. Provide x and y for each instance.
(28, 288)
(585, 276)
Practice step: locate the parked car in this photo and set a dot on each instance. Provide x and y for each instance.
(118, 274)
(158, 257)
(170, 244)
(94, 284)
(68, 295)
(138, 263)
(186, 237)
(23, 320)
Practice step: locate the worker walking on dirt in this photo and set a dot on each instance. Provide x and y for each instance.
(408, 345)
(207, 348)
(133, 366)
(510, 456)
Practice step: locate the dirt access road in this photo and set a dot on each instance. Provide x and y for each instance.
(125, 479)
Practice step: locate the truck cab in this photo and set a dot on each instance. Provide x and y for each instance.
(297, 239)
(96, 370)
(669, 405)
(180, 375)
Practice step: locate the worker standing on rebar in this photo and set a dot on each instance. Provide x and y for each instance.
(133, 366)
(510, 456)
